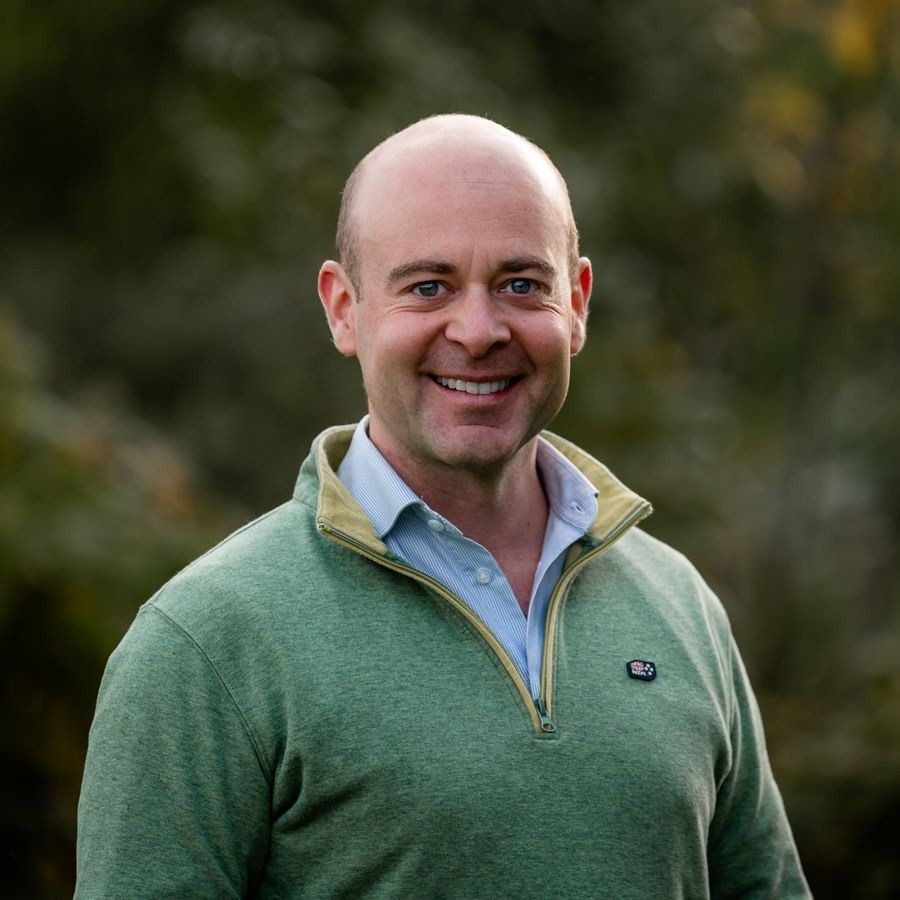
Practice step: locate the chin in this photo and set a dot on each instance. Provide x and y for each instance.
(478, 456)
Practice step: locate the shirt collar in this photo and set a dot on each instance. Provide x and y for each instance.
(571, 496)
(384, 495)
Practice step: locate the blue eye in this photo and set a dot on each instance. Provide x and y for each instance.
(427, 289)
(521, 286)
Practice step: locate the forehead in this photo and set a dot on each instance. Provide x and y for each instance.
(471, 202)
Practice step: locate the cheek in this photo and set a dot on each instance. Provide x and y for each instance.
(548, 340)
(389, 346)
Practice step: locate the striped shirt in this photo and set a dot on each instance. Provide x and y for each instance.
(430, 543)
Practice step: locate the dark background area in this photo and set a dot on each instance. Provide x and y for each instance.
(169, 181)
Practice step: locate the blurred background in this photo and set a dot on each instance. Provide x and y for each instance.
(169, 181)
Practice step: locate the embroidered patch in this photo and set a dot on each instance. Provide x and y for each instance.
(640, 668)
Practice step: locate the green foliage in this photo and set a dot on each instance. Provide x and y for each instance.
(171, 179)
(95, 512)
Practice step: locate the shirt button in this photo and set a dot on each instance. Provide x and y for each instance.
(435, 524)
(483, 576)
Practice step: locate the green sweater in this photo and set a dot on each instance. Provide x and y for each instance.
(298, 714)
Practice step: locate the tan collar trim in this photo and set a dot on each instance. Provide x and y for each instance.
(336, 507)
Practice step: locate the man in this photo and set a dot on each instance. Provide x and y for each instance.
(451, 665)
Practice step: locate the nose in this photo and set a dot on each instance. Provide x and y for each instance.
(476, 322)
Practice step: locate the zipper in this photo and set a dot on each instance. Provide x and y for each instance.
(539, 709)
(547, 724)
(562, 587)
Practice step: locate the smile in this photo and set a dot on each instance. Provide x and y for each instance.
(473, 387)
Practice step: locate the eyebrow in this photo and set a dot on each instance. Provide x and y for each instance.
(437, 267)
(521, 263)
(420, 267)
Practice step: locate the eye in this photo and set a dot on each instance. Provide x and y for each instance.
(521, 286)
(427, 289)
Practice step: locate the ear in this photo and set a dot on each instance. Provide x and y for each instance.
(339, 299)
(581, 295)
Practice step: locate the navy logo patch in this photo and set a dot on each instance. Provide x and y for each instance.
(640, 668)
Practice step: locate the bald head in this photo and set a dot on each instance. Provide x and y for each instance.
(458, 146)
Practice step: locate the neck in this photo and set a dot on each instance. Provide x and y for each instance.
(487, 505)
(503, 508)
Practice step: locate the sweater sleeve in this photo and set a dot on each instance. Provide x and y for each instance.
(751, 850)
(175, 799)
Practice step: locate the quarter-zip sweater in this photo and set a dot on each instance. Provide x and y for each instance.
(300, 714)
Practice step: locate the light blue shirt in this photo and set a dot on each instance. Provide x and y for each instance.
(430, 543)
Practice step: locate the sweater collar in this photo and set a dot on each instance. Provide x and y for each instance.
(318, 485)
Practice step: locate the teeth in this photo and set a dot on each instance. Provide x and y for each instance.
(473, 387)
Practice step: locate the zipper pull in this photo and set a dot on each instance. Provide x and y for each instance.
(546, 722)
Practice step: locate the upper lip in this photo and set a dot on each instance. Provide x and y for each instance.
(476, 379)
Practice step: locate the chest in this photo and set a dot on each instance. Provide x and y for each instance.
(407, 741)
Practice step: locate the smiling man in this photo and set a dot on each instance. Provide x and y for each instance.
(452, 664)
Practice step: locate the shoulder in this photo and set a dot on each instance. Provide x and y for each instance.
(662, 564)
(648, 575)
(218, 626)
(236, 558)
(244, 578)
(656, 560)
